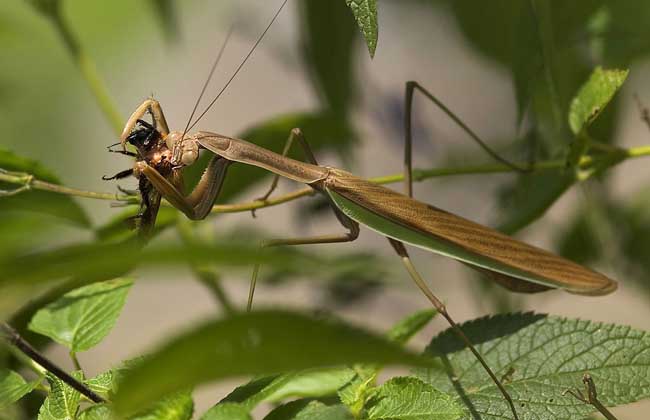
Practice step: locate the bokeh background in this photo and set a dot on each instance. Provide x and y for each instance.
(313, 68)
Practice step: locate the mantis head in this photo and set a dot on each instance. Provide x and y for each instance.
(185, 150)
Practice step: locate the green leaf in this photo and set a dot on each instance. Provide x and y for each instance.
(227, 411)
(594, 96)
(252, 393)
(355, 392)
(312, 383)
(47, 7)
(328, 31)
(166, 14)
(409, 326)
(92, 261)
(177, 406)
(97, 412)
(119, 228)
(13, 387)
(411, 399)
(309, 410)
(84, 316)
(102, 384)
(258, 343)
(588, 104)
(58, 205)
(365, 13)
(531, 196)
(62, 401)
(538, 358)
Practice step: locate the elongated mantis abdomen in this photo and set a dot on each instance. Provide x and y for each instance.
(436, 230)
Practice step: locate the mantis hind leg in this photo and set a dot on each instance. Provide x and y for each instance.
(411, 87)
(349, 224)
(399, 247)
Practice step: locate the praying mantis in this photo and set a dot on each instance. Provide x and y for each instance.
(162, 154)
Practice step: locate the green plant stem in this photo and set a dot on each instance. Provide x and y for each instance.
(88, 71)
(602, 161)
(205, 275)
(75, 361)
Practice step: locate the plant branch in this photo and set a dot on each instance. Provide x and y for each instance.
(14, 339)
(607, 159)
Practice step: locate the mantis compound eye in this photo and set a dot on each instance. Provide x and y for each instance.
(190, 152)
(172, 139)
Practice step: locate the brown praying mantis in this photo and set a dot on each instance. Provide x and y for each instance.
(162, 154)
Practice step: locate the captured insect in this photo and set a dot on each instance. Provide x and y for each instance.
(163, 154)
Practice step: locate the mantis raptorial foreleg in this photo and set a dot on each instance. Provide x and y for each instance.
(157, 116)
(346, 222)
(198, 204)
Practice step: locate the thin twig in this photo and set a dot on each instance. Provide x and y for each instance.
(418, 175)
(14, 339)
(591, 396)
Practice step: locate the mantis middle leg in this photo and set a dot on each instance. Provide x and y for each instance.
(350, 225)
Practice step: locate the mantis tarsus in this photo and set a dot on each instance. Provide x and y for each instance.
(162, 154)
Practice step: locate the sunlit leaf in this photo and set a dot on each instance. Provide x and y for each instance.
(97, 412)
(178, 406)
(312, 383)
(354, 393)
(62, 401)
(538, 358)
(587, 105)
(408, 398)
(594, 96)
(13, 387)
(365, 13)
(227, 411)
(255, 343)
(36, 201)
(309, 410)
(83, 317)
(409, 326)
(101, 384)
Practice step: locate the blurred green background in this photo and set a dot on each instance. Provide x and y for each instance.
(508, 68)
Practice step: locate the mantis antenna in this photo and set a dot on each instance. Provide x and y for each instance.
(207, 80)
(223, 89)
